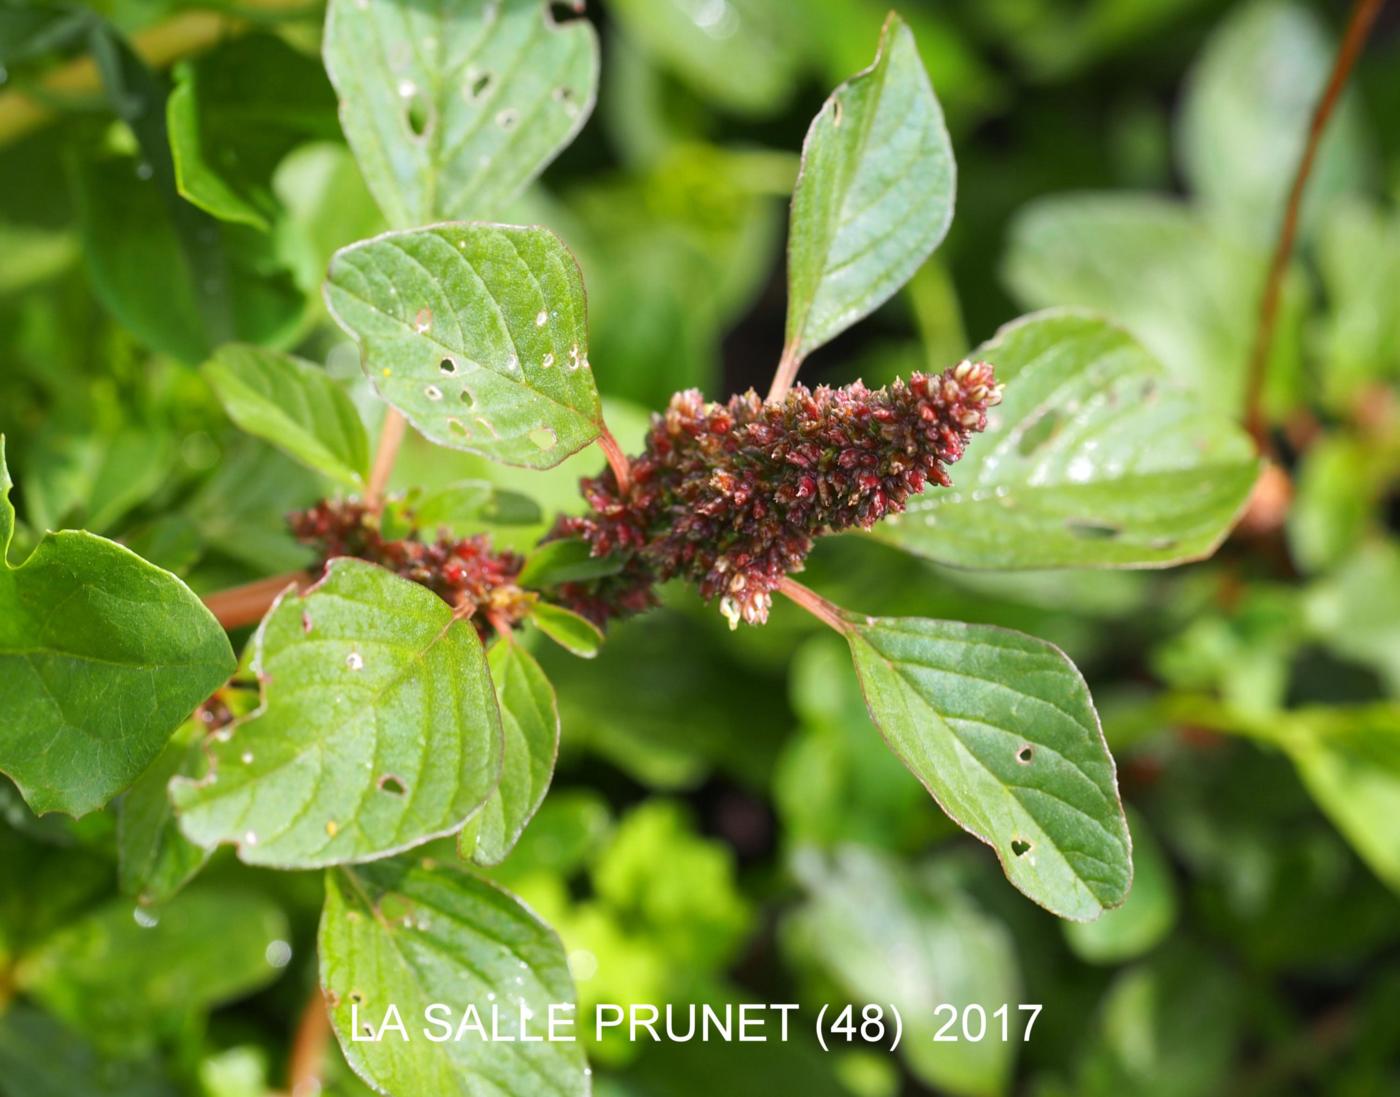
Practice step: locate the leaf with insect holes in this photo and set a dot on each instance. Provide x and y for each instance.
(452, 108)
(1093, 459)
(530, 716)
(874, 196)
(378, 728)
(1000, 728)
(478, 333)
(411, 935)
(296, 406)
(102, 656)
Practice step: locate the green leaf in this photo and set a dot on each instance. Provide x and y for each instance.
(888, 935)
(1349, 760)
(874, 196)
(102, 655)
(234, 114)
(530, 716)
(1000, 728)
(408, 935)
(571, 631)
(478, 334)
(451, 109)
(471, 502)
(567, 560)
(1356, 611)
(295, 405)
(377, 730)
(1243, 121)
(154, 860)
(124, 979)
(1144, 919)
(744, 55)
(1093, 459)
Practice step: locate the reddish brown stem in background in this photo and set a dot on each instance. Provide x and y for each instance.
(309, 1048)
(1363, 17)
(786, 373)
(390, 438)
(245, 605)
(617, 461)
(815, 604)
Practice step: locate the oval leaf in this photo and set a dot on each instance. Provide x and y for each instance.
(1144, 919)
(1000, 729)
(102, 656)
(295, 405)
(874, 196)
(452, 108)
(573, 632)
(378, 728)
(1093, 459)
(397, 933)
(478, 333)
(530, 716)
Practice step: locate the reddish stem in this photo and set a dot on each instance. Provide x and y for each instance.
(1363, 17)
(617, 461)
(786, 373)
(824, 611)
(246, 605)
(309, 1047)
(390, 438)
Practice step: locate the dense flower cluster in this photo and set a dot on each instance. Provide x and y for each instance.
(466, 573)
(731, 495)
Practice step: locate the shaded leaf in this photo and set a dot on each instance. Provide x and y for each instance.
(451, 109)
(41, 1058)
(154, 860)
(874, 196)
(102, 655)
(377, 729)
(1000, 729)
(470, 502)
(1093, 459)
(122, 979)
(409, 935)
(478, 334)
(293, 404)
(567, 560)
(530, 717)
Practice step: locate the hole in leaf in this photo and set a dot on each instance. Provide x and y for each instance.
(479, 85)
(1019, 847)
(1025, 754)
(1149, 391)
(448, 366)
(456, 426)
(507, 118)
(468, 398)
(1039, 432)
(543, 437)
(357, 997)
(564, 11)
(419, 111)
(1089, 530)
(836, 111)
(432, 392)
(392, 785)
(1162, 543)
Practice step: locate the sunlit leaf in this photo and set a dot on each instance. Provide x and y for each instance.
(1146, 916)
(378, 728)
(1093, 459)
(452, 108)
(102, 655)
(571, 631)
(478, 333)
(397, 933)
(874, 196)
(1000, 728)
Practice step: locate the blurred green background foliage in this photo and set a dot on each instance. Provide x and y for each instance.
(725, 824)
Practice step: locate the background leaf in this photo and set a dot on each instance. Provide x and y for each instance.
(103, 655)
(451, 109)
(1093, 459)
(1000, 728)
(478, 333)
(571, 631)
(397, 932)
(295, 405)
(530, 717)
(874, 196)
(1146, 916)
(155, 860)
(378, 728)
